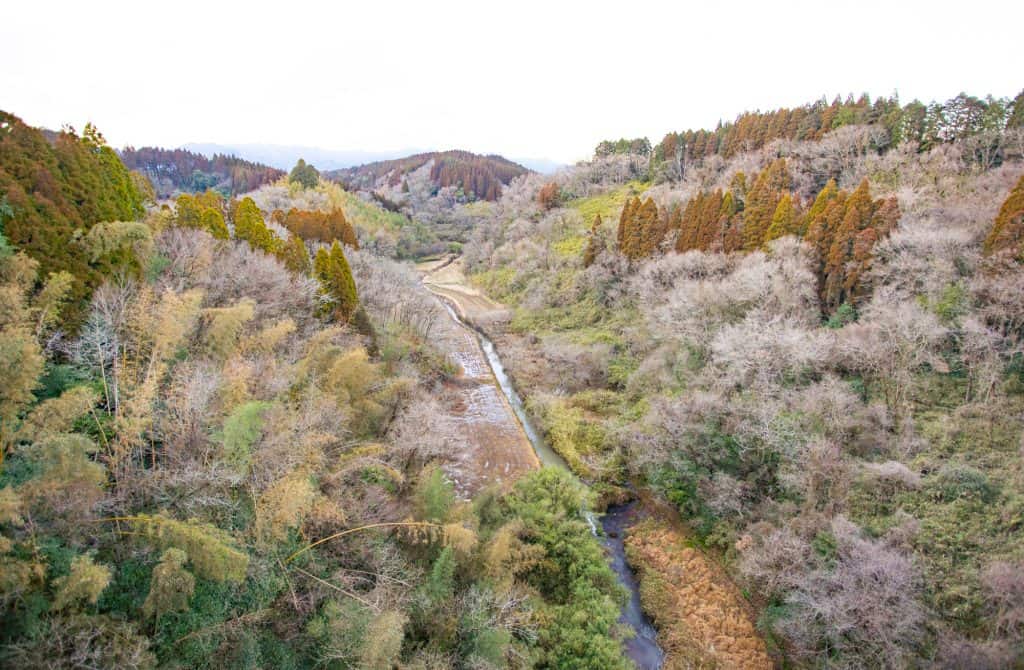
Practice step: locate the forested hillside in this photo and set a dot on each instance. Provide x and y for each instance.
(235, 431)
(801, 329)
(52, 193)
(476, 177)
(172, 171)
(232, 459)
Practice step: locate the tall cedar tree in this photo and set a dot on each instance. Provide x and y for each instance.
(763, 199)
(653, 228)
(187, 212)
(249, 226)
(700, 222)
(641, 228)
(843, 235)
(323, 227)
(204, 211)
(595, 243)
(625, 220)
(336, 283)
(785, 220)
(213, 223)
(548, 196)
(1008, 229)
(295, 256)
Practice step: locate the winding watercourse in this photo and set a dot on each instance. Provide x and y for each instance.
(643, 648)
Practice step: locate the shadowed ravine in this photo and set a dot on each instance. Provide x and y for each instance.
(643, 648)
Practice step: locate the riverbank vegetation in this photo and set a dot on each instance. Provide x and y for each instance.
(802, 330)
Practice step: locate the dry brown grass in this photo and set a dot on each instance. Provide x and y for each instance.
(702, 619)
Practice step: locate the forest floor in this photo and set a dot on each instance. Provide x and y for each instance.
(495, 448)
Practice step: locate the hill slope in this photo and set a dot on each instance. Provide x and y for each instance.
(174, 170)
(482, 176)
(54, 187)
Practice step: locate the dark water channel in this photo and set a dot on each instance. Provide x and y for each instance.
(643, 648)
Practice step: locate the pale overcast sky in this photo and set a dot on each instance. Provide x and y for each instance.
(527, 79)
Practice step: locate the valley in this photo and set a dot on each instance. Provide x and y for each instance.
(495, 448)
(719, 628)
(751, 396)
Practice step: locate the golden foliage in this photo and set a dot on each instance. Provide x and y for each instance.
(383, 641)
(321, 350)
(455, 535)
(157, 333)
(57, 415)
(17, 575)
(208, 547)
(351, 376)
(223, 326)
(269, 338)
(69, 481)
(114, 238)
(284, 505)
(325, 513)
(85, 583)
(21, 363)
(171, 586)
(48, 303)
(463, 540)
(507, 555)
(10, 506)
(236, 378)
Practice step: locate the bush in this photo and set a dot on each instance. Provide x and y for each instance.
(955, 481)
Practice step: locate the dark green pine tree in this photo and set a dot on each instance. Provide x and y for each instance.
(249, 226)
(304, 174)
(213, 223)
(336, 284)
(295, 256)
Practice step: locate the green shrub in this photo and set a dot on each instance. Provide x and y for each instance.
(241, 430)
(435, 495)
(956, 480)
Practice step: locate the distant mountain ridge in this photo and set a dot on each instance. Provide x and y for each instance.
(284, 156)
(483, 176)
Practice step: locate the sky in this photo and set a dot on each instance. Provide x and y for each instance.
(525, 79)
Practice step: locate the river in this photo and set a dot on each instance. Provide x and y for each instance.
(643, 648)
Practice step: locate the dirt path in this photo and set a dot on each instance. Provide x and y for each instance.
(445, 278)
(496, 450)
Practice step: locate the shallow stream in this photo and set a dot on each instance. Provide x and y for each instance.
(643, 648)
